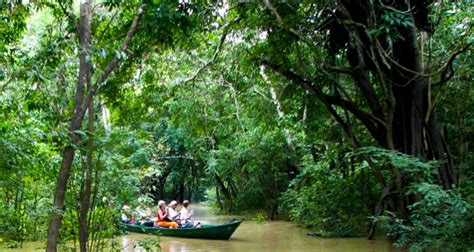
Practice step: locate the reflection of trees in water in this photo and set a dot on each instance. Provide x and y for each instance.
(252, 236)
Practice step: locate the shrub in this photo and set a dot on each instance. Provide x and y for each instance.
(440, 220)
(322, 198)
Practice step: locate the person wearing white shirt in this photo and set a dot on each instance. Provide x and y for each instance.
(144, 216)
(185, 216)
(124, 216)
(173, 214)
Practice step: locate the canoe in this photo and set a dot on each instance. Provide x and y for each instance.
(206, 231)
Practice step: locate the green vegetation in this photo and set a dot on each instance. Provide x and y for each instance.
(149, 244)
(346, 117)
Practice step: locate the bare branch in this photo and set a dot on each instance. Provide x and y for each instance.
(261, 94)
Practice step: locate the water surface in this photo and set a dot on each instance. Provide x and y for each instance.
(273, 236)
(250, 236)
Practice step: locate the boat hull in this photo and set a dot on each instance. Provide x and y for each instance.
(206, 231)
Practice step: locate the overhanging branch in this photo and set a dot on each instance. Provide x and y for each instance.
(375, 127)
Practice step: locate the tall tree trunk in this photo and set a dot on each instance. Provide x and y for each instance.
(218, 199)
(80, 106)
(77, 118)
(416, 130)
(86, 196)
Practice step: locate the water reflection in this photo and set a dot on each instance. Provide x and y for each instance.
(250, 236)
(270, 236)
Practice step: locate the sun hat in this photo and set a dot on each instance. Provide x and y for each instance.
(173, 203)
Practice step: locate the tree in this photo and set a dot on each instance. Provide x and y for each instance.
(364, 61)
(80, 106)
(313, 108)
(130, 16)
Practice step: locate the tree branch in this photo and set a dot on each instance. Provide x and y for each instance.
(70, 15)
(328, 101)
(368, 120)
(213, 58)
(443, 69)
(107, 27)
(115, 60)
(449, 66)
(216, 53)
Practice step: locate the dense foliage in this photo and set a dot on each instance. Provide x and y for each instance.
(335, 114)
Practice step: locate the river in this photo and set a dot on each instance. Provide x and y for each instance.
(250, 236)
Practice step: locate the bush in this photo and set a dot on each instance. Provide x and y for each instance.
(322, 198)
(440, 220)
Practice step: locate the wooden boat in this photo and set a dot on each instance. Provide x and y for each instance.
(206, 231)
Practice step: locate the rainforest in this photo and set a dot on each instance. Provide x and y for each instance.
(344, 118)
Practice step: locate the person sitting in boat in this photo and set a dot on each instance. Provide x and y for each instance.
(144, 216)
(163, 217)
(185, 215)
(124, 216)
(173, 214)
